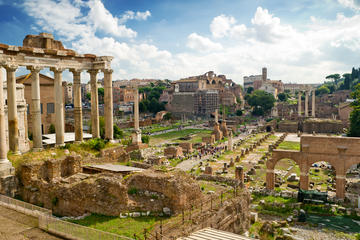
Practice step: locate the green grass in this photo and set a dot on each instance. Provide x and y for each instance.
(287, 145)
(179, 134)
(121, 226)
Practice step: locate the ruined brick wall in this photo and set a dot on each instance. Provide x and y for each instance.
(330, 126)
(115, 154)
(287, 126)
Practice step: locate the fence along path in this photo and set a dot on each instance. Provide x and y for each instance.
(56, 226)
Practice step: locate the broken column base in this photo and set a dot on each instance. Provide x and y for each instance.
(136, 146)
(8, 180)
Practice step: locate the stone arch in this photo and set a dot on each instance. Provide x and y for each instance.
(271, 163)
(207, 82)
(213, 82)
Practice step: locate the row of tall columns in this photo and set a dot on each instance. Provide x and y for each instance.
(306, 104)
(13, 128)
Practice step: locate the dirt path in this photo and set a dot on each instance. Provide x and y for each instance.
(18, 226)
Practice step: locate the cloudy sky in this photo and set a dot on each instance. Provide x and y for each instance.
(298, 41)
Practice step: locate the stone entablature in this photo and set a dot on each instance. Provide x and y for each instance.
(340, 152)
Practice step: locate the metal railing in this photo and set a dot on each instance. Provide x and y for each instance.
(74, 231)
(23, 207)
(56, 226)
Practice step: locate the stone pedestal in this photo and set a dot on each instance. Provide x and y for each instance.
(136, 137)
(230, 142)
(239, 174)
(224, 129)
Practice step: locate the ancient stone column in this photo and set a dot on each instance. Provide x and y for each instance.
(306, 104)
(299, 104)
(4, 162)
(12, 109)
(340, 186)
(304, 180)
(108, 108)
(95, 129)
(216, 115)
(230, 142)
(77, 105)
(239, 174)
(270, 179)
(136, 109)
(36, 108)
(313, 104)
(59, 106)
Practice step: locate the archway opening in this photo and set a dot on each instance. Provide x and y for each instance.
(287, 175)
(213, 82)
(352, 185)
(322, 177)
(268, 128)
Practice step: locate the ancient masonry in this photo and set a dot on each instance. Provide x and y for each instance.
(39, 52)
(341, 153)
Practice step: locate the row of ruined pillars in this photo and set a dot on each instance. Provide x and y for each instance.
(13, 128)
(306, 110)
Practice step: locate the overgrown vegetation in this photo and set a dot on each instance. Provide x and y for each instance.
(354, 130)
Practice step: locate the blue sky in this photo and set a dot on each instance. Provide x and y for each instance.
(298, 41)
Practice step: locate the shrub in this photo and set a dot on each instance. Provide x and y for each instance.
(132, 191)
(94, 144)
(51, 129)
(117, 132)
(145, 139)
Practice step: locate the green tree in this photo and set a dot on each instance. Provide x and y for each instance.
(322, 90)
(335, 77)
(88, 96)
(282, 97)
(51, 129)
(168, 116)
(117, 132)
(261, 101)
(354, 130)
(239, 112)
(250, 90)
(347, 80)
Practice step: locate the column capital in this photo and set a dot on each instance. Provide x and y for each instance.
(11, 67)
(75, 71)
(107, 71)
(93, 71)
(57, 69)
(36, 69)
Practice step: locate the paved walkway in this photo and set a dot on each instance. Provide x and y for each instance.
(18, 226)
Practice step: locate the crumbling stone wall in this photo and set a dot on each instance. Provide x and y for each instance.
(115, 154)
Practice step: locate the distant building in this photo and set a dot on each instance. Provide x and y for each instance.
(47, 100)
(262, 82)
(68, 94)
(201, 95)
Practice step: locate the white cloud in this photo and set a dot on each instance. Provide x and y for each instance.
(202, 44)
(103, 20)
(353, 4)
(321, 47)
(129, 15)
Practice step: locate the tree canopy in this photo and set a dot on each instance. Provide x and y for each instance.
(354, 130)
(261, 101)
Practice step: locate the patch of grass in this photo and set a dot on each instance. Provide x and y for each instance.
(287, 145)
(122, 226)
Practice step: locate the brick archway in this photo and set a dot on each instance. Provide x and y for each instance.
(341, 153)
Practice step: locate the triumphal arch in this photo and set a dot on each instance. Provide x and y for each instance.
(340, 152)
(43, 51)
